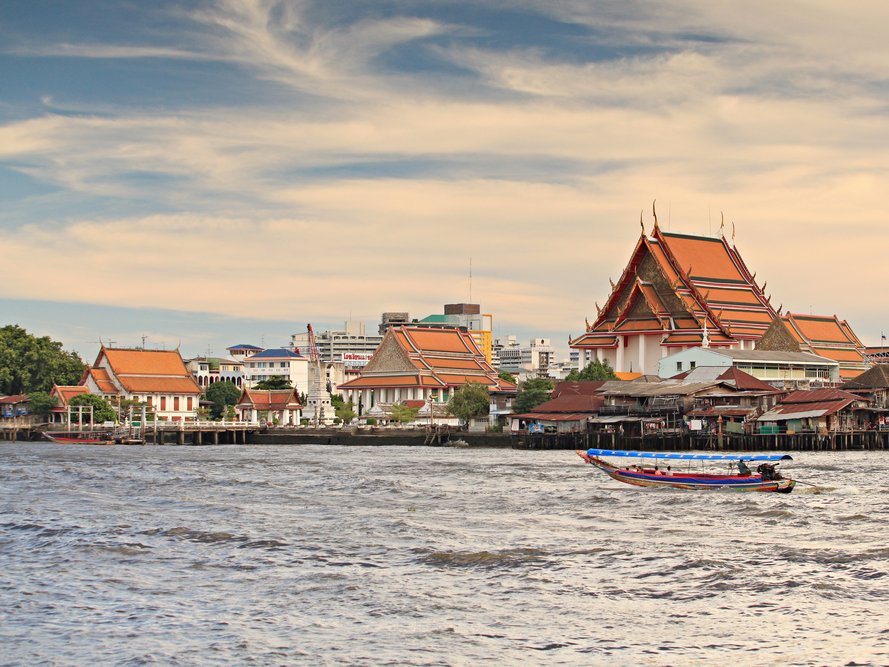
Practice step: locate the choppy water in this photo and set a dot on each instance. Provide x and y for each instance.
(410, 556)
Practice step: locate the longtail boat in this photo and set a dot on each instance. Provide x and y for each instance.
(80, 437)
(765, 477)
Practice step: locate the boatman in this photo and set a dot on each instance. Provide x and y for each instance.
(743, 470)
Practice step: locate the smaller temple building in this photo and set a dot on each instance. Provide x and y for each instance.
(158, 378)
(421, 363)
(275, 407)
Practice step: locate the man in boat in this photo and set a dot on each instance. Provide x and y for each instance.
(743, 470)
(669, 472)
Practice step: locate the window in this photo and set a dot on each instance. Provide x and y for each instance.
(163, 402)
(176, 403)
(678, 365)
(189, 404)
(691, 364)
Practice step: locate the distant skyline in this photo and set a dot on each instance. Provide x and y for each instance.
(218, 172)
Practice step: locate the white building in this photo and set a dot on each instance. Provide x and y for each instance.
(279, 362)
(157, 378)
(781, 369)
(532, 360)
(353, 346)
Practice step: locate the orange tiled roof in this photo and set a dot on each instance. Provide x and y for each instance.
(67, 392)
(818, 329)
(709, 284)
(148, 371)
(422, 356)
(103, 380)
(145, 362)
(159, 385)
(269, 399)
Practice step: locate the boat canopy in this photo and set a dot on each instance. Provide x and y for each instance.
(690, 457)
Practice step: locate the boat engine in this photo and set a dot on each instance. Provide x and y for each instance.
(768, 472)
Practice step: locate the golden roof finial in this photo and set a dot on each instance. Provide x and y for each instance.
(654, 211)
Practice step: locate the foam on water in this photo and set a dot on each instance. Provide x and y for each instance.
(346, 556)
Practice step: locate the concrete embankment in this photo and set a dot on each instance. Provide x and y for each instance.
(379, 437)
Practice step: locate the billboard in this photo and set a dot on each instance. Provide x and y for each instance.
(356, 359)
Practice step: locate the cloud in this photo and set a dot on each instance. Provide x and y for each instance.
(374, 190)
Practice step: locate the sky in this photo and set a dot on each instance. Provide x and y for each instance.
(206, 173)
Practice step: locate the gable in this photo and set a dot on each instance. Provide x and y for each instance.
(390, 357)
(778, 338)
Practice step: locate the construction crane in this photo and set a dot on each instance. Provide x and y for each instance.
(318, 398)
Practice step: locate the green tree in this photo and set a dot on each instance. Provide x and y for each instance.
(505, 375)
(41, 403)
(102, 410)
(595, 370)
(470, 400)
(532, 392)
(29, 363)
(344, 409)
(402, 413)
(222, 395)
(275, 382)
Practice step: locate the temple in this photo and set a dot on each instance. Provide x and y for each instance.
(677, 291)
(827, 336)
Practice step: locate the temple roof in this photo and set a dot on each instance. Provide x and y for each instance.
(143, 371)
(269, 399)
(433, 357)
(828, 336)
(682, 282)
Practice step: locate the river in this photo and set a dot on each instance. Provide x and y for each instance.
(322, 555)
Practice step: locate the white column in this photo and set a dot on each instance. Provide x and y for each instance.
(619, 360)
(600, 354)
(642, 341)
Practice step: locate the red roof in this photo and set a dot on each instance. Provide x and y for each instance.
(14, 399)
(578, 403)
(269, 399)
(584, 387)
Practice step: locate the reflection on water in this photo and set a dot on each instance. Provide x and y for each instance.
(414, 556)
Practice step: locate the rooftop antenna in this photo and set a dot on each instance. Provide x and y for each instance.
(143, 341)
(470, 279)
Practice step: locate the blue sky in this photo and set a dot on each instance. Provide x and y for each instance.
(219, 172)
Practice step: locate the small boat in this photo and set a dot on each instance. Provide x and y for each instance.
(764, 478)
(80, 437)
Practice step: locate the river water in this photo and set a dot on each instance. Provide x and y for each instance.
(322, 555)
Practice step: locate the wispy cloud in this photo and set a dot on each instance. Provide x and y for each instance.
(363, 186)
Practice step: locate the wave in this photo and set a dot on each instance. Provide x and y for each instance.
(506, 558)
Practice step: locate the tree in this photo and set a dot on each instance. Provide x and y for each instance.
(595, 370)
(344, 410)
(222, 394)
(470, 400)
(41, 403)
(102, 410)
(275, 382)
(505, 375)
(532, 392)
(29, 364)
(402, 413)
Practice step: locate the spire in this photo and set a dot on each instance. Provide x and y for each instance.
(654, 211)
(705, 339)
